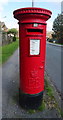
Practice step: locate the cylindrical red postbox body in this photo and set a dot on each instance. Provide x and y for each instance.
(32, 37)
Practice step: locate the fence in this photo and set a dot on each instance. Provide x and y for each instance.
(5, 39)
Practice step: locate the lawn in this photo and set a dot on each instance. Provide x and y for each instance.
(7, 50)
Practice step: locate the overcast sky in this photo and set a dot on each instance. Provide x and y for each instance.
(8, 6)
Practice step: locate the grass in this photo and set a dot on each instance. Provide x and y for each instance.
(57, 43)
(7, 50)
(42, 107)
(61, 112)
(49, 89)
(50, 93)
(31, 111)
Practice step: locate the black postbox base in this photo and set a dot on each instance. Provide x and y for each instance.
(28, 101)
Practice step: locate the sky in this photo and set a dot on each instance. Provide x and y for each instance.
(8, 6)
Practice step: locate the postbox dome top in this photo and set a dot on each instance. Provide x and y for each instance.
(32, 11)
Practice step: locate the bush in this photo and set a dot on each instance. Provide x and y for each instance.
(14, 39)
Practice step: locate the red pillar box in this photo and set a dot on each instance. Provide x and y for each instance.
(32, 36)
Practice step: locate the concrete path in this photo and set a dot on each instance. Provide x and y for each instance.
(0, 92)
(10, 87)
(10, 79)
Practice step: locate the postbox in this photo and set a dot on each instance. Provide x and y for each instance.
(32, 47)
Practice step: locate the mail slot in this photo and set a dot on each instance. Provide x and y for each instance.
(35, 31)
(32, 39)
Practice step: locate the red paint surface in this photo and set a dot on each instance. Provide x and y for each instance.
(32, 66)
